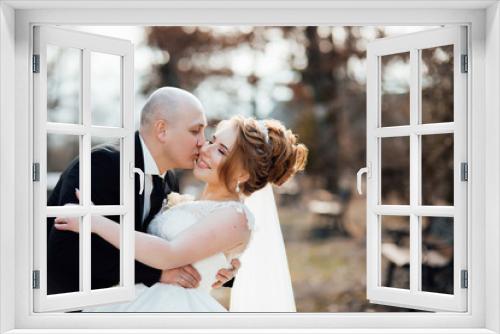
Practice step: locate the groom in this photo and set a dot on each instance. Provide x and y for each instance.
(170, 136)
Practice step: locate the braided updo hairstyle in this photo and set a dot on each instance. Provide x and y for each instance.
(273, 162)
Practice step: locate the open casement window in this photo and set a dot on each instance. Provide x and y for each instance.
(68, 123)
(417, 170)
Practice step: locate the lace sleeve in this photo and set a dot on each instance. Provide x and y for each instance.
(241, 208)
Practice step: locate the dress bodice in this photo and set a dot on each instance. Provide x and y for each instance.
(171, 222)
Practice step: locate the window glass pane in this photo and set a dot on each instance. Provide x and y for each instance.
(105, 259)
(395, 251)
(105, 89)
(437, 254)
(63, 259)
(395, 166)
(105, 171)
(395, 89)
(62, 152)
(437, 84)
(437, 169)
(63, 84)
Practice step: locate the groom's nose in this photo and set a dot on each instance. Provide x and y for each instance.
(200, 140)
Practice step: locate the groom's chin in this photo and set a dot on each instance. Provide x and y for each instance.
(186, 165)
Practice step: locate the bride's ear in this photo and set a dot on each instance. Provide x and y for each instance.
(243, 177)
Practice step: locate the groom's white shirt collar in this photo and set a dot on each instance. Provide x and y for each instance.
(150, 166)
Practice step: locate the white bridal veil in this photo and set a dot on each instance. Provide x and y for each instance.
(263, 282)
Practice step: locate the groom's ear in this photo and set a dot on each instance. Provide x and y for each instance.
(161, 128)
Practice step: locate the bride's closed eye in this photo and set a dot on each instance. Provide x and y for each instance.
(221, 151)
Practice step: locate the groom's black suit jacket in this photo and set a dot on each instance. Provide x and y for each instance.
(63, 246)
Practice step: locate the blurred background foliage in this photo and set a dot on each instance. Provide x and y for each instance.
(312, 78)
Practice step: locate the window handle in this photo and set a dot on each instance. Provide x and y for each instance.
(134, 170)
(360, 173)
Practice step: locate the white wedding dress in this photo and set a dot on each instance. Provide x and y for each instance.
(162, 297)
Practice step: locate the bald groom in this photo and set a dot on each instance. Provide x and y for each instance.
(170, 136)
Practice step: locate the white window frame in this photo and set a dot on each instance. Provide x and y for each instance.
(18, 16)
(413, 43)
(87, 44)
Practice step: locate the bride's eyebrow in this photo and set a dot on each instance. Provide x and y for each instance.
(227, 149)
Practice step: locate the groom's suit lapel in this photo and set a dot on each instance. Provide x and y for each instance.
(171, 184)
(139, 198)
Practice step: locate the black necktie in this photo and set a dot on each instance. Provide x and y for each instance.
(156, 199)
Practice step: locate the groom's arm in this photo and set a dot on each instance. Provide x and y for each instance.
(105, 258)
(106, 266)
(225, 277)
(145, 274)
(63, 247)
(229, 284)
(103, 191)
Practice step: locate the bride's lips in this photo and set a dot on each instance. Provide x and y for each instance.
(202, 164)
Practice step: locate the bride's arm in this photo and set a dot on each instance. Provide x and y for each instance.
(218, 232)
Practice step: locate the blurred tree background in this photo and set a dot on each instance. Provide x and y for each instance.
(313, 78)
(315, 92)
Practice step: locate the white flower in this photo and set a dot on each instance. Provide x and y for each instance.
(174, 199)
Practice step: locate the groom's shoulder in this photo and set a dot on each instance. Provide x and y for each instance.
(105, 154)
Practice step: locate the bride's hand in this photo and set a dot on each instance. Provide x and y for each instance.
(225, 275)
(67, 224)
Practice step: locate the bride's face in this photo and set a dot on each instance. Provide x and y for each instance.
(214, 152)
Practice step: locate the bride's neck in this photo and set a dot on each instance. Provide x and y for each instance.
(218, 193)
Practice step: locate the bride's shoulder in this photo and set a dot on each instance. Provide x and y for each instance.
(237, 211)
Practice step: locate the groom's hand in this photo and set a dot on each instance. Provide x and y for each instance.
(186, 276)
(225, 275)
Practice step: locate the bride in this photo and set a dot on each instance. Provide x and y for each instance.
(244, 156)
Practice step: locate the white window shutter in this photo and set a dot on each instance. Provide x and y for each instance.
(413, 296)
(85, 44)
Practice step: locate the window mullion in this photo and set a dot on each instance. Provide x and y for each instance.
(419, 129)
(85, 243)
(415, 242)
(127, 252)
(420, 210)
(73, 211)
